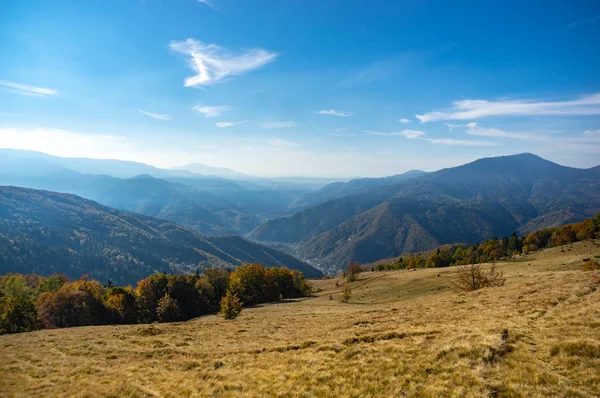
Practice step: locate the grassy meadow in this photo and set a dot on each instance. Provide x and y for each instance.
(403, 333)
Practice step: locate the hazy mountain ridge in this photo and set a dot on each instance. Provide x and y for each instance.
(49, 232)
(340, 189)
(494, 196)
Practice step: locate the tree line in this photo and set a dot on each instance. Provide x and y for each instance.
(29, 301)
(494, 249)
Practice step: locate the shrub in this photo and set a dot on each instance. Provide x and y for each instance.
(231, 306)
(473, 277)
(591, 265)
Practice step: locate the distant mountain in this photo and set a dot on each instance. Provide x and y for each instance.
(339, 189)
(48, 232)
(142, 194)
(99, 180)
(199, 168)
(470, 203)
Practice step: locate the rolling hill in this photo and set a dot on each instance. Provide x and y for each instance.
(486, 198)
(48, 232)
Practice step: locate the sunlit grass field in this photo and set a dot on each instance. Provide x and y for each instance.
(404, 333)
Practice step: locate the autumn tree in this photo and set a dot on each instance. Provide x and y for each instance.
(231, 306)
(167, 309)
(353, 270)
(346, 292)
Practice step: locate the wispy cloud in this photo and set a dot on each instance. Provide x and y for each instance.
(452, 141)
(209, 3)
(452, 126)
(404, 120)
(592, 133)
(158, 116)
(340, 133)
(211, 111)
(420, 135)
(333, 113)
(411, 134)
(475, 109)
(214, 63)
(24, 89)
(474, 129)
(277, 125)
(229, 124)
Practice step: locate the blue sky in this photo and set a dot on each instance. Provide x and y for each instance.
(302, 87)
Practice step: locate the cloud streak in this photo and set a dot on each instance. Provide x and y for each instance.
(333, 112)
(476, 109)
(211, 111)
(474, 129)
(410, 134)
(404, 120)
(420, 135)
(209, 4)
(24, 89)
(213, 63)
(229, 124)
(157, 116)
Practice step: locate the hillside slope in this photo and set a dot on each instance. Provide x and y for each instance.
(47, 232)
(470, 203)
(403, 333)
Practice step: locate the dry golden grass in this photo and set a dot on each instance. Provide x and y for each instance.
(404, 333)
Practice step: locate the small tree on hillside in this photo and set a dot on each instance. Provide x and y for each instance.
(346, 292)
(473, 277)
(353, 270)
(231, 306)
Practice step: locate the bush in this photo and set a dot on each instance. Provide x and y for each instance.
(591, 265)
(473, 277)
(231, 306)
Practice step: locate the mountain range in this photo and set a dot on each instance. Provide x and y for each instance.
(470, 203)
(48, 232)
(330, 224)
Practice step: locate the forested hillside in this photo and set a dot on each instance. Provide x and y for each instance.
(47, 233)
(470, 203)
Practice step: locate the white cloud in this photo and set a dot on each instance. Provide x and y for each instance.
(340, 133)
(474, 129)
(214, 63)
(208, 3)
(157, 115)
(411, 134)
(416, 134)
(404, 120)
(452, 141)
(592, 133)
(277, 125)
(211, 111)
(229, 124)
(334, 113)
(475, 109)
(24, 89)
